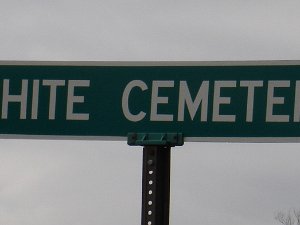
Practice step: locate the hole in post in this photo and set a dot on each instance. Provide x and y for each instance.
(149, 222)
(150, 192)
(149, 212)
(150, 203)
(151, 172)
(150, 182)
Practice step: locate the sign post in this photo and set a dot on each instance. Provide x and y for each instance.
(156, 175)
(156, 185)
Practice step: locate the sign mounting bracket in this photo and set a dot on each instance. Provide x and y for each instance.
(158, 139)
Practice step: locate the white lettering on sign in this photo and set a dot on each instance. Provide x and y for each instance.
(272, 100)
(218, 100)
(125, 99)
(251, 85)
(35, 99)
(76, 99)
(212, 97)
(186, 99)
(21, 98)
(53, 84)
(155, 100)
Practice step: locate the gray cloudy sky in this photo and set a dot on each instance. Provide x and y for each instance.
(80, 182)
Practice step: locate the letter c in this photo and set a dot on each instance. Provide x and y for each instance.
(125, 100)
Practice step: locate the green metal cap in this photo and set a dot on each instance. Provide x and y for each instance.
(166, 139)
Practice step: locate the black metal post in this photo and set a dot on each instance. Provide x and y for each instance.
(156, 185)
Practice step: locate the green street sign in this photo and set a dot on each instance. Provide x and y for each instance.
(205, 101)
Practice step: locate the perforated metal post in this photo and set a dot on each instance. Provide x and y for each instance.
(156, 185)
(156, 174)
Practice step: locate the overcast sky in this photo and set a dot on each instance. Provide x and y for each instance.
(97, 182)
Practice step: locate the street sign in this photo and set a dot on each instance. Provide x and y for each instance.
(205, 101)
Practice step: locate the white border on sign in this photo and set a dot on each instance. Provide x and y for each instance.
(186, 139)
(152, 63)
